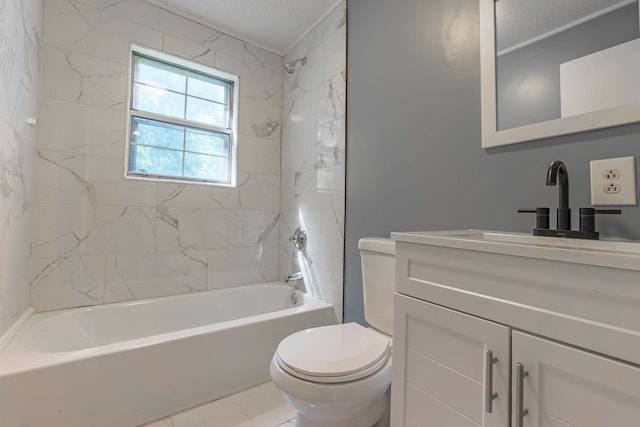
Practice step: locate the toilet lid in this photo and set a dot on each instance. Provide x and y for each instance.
(337, 353)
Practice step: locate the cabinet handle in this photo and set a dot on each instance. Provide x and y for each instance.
(520, 411)
(489, 395)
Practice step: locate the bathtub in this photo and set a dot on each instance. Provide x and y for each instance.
(128, 364)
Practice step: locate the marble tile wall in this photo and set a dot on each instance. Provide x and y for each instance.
(98, 238)
(20, 28)
(313, 158)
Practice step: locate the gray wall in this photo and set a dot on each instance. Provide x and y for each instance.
(414, 160)
(540, 62)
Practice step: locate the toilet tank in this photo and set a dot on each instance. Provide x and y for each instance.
(378, 260)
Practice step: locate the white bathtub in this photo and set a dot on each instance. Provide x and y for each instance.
(127, 364)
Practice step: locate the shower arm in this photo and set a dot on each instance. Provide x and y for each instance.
(290, 66)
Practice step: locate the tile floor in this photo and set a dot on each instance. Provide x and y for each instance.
(261, 406)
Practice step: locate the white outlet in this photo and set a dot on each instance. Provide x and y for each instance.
(611, 174)
(611, 188)
(613, 181)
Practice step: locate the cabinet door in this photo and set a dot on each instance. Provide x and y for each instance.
(565, 386)
(439, 370)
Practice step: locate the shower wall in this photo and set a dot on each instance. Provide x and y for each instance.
(313, 158)
(98, 238)
(20, 24)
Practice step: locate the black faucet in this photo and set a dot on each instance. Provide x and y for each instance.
(557, 175)
(557, 169)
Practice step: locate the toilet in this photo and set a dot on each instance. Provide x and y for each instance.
(340, 375)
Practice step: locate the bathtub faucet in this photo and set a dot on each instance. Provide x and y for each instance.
(293, 276)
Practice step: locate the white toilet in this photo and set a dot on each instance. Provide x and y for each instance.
(340, 375)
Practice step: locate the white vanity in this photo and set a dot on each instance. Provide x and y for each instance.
(500, 329)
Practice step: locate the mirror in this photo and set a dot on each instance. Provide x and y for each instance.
(555, 67)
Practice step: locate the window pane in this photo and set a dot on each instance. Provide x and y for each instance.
(180, 120)
(159, 101)
(152, 160)
(208, 88)
(207, 112)
(206, 167)
(207, 142)
(160, 75)
(159, 134)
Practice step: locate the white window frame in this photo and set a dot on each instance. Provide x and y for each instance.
(231, 130)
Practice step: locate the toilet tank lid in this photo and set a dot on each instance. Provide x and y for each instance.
(378, 244)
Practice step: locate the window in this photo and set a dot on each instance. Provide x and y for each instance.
(182, 120)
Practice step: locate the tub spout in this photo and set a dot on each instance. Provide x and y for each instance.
(293, 276)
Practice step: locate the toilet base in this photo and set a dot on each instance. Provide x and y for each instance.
(385, 420)
(375, 416)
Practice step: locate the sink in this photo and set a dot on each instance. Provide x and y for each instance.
(608, 253)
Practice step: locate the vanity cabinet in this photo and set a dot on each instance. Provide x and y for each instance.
(554, 343)
(448, 365)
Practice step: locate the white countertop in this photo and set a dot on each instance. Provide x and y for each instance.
(605, 253)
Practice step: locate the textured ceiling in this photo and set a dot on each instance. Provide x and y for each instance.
(272, 24)
(521, 20)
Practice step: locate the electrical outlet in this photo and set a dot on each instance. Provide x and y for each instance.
(611, 174)
(611, 188)
(613, 181)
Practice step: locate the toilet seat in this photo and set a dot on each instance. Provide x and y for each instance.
(333, 354)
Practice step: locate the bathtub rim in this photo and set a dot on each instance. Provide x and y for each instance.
(13, 329)
(23, 359)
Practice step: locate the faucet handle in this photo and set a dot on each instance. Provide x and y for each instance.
(542, 216)
(299, 239)
(587, 217)
(608, 211)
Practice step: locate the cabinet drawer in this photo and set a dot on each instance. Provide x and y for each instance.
(546, 297)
